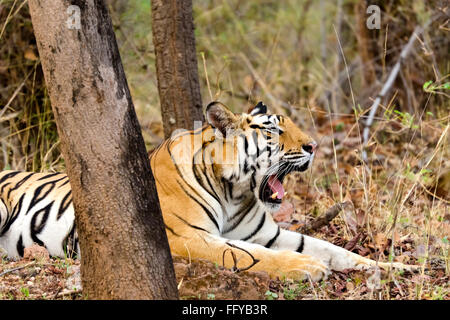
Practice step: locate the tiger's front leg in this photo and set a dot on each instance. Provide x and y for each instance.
(241, 255)
(336, 258)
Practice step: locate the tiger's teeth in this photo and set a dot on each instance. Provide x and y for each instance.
(274, 195)
(285, 194)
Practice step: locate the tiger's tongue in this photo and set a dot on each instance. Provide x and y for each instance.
(276, 186)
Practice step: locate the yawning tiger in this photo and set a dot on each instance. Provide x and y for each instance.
(218, 186)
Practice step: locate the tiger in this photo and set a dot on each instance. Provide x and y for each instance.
(218, 187)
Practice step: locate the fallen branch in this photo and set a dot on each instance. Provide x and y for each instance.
(17, 268)
(324, 219)
(389, 82)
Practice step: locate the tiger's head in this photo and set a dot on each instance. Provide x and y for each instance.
(267, 148)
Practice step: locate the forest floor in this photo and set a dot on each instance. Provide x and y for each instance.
(394, 214)
(38, 277)
(399, 198)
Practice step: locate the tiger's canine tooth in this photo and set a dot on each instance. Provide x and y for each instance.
(274, 195)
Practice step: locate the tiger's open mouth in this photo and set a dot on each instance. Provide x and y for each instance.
(271, 190)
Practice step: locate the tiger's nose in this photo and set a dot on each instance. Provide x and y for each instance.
(310, 147)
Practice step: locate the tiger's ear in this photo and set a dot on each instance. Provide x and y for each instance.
(260, 108)
(220, 117)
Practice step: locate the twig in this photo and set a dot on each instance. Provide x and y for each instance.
(206, 76)
(436, 149)
(434, 195)
(235, 260)
(11, 15)
(389, 82)
(17, 268)
(56, 294)
(324, 219)
(16, 92)
(262, 84)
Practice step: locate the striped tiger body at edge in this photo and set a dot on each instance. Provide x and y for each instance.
(218, 187)
(37, 208)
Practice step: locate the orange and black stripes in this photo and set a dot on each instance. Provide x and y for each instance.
(33, 205)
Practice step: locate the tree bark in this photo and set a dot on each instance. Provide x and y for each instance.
(176, 64)
(124, 247)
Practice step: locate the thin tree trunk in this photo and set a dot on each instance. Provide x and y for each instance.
(364, 46)
(124, 248)
(337, 91)
(176, 64)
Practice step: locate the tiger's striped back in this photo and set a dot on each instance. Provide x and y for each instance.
(37, 208)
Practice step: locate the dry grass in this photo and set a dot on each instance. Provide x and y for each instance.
(396, 215)
(287, 53)
(28, 133)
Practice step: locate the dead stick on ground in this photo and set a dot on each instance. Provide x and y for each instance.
(324, 219)
(18, 268)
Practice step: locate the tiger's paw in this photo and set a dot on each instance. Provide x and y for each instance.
(301, 267)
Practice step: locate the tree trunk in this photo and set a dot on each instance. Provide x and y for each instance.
(176, 64)
(364, 46)
(124, 248)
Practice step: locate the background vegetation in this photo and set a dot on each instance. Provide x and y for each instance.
(316, 62)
